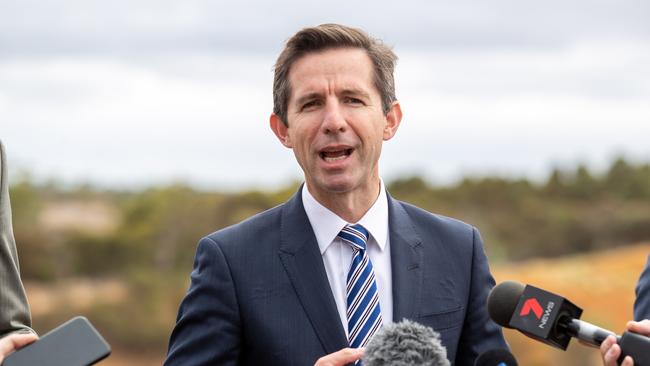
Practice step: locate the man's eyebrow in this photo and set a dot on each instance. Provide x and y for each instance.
(345, 92)
(355, 92)
(306, 97)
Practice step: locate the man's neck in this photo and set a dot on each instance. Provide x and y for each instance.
(350, 206)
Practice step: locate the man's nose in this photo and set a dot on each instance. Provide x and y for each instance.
(333, 119)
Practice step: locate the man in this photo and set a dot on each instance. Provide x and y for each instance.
(313, 279)
(14, 310)
(609, 350)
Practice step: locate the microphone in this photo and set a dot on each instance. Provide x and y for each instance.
(496, 357)
(552, 319)
(405, 344)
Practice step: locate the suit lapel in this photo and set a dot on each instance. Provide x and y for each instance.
(406, 261)
(303, 263)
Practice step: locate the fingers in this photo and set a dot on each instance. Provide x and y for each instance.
(13, 342)
(21, 340)
(642, 327)
(628, 361)
(610, 351)
(340, 358)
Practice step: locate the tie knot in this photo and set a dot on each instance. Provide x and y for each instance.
(355, 235)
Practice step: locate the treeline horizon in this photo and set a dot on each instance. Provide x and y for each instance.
(574, 210)
(566, 172)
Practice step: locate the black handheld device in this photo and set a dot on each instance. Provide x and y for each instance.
(73, 343)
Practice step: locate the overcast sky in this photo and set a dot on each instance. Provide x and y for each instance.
(132, 93)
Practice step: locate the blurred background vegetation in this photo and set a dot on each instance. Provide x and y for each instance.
(123, 258)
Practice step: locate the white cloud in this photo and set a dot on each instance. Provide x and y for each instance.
(602, 69)
(136, 93)
(145, 26)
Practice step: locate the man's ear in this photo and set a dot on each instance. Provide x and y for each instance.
(393, 120)
(280, 130)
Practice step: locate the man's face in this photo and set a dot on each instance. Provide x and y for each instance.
(336, 125)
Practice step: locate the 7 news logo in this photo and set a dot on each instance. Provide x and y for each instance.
(532, 305)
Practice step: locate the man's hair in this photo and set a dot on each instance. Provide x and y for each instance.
(331, 36)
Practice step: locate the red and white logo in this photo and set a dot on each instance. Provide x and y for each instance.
(531, 305)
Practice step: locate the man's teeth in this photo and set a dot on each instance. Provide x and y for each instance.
(334, 158)
(335, 155)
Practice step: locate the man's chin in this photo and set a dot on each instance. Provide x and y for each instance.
(333, 185)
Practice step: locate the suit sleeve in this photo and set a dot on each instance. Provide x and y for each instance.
(642, 303)
(14, 310)
(480, 333)
(207, 330)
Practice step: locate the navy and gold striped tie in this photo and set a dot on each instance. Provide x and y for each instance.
(364, 313)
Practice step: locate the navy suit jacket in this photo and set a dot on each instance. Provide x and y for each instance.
(642, 303)
(259, 293)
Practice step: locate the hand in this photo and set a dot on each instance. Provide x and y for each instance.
(340, 358)
(610, 351)
(14, 342)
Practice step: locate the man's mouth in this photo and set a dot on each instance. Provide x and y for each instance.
(335, 155)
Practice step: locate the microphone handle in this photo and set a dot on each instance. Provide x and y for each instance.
(637, 346)
(587, 332)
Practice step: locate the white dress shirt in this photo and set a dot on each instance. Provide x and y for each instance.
(337, 255)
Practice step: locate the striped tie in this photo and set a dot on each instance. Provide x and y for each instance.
(364, 314)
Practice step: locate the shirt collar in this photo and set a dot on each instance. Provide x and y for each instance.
(326, 224)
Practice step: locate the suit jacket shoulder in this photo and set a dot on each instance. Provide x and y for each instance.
(249, 234)
(439, 224)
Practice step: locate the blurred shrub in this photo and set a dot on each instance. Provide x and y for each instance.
(158, 228)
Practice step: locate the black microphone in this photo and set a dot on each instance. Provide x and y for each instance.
(405, 344)
(552, 319)
(496, 357)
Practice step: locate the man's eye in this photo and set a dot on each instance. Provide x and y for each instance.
(310, 104)
(351, 100)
